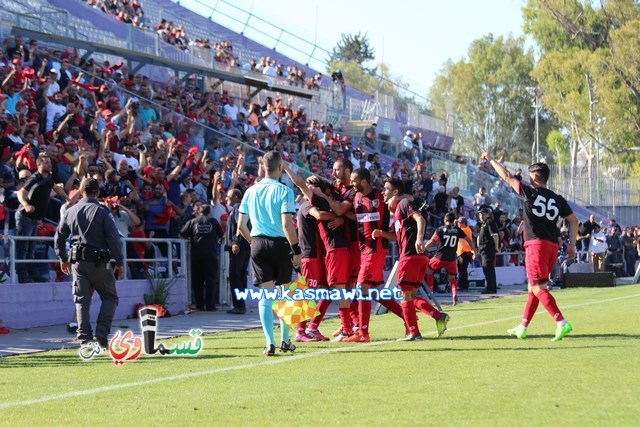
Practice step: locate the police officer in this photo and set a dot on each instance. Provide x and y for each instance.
(488, 247)
(94, 242)
(271, 207)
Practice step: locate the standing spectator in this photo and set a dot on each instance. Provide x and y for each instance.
(204, 233)
(457, 201)
(613, 259)
(584, 235)
(34, 200)
(202, 189)
(629, 252)
(488, 247)
(597, 247)
(480, 197)
(465, 254)
(239, 255)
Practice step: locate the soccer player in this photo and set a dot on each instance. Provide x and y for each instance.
(371, 214)
(542, 208)
(446, 237)
(312, 266)
(409, 231)
(342, 205)
(335, 249)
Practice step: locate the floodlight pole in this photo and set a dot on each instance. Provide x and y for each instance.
(537, 124)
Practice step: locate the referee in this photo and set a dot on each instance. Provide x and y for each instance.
(94, 242)
(270, 206)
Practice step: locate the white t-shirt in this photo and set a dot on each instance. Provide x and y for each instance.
(54, 110)
(231, 111)
(123, 223)
(131, 161)
(596, 246)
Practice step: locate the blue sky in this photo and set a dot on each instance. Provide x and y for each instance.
(413, 37)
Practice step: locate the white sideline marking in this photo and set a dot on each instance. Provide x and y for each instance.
(277, 361)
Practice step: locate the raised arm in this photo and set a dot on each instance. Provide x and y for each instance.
(503, 172)
(299, 182)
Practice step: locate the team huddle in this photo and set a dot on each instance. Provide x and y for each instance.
(343, 232)
(342, 242)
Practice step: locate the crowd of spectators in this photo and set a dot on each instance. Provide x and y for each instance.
(131, 12)
(127, 11)
(157, 148)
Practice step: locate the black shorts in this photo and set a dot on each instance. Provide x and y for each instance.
(271, 260)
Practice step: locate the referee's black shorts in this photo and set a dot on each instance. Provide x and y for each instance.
(271, 260)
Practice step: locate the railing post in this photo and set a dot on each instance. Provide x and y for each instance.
(124, 256)
(12, 259)
(186, 250)
(170, 258)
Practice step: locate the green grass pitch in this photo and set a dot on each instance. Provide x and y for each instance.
(474, 375)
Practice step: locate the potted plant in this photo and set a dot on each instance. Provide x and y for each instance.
(160, 289)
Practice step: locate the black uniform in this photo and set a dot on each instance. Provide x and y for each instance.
(238, 263)
(39, 193)
(92, 230)
(488, 250)
(204, 232)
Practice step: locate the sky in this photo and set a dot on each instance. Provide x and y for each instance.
(413, 37)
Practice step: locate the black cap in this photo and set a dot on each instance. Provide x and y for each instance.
(485, 210)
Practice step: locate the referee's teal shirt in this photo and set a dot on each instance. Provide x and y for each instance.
(265, 202)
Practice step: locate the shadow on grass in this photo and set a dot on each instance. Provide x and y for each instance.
(543, 336)
(73, 360)
(425, 350)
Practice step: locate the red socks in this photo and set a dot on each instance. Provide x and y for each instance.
(454, 287)
(301, 327)
(430, 280)
(355, 318)
(549, 303)
(529, 309)
(345, 320)
(410, 316)
(323, 306)
(424, 306)
(392, 306)
(365, 315)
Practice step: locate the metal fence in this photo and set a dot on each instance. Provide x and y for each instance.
(174, 263)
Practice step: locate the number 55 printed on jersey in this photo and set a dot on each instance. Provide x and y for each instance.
(545, 208)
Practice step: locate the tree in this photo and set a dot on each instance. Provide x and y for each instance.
(588, 72)
(488, 95)
(559, 146)
(353, 48)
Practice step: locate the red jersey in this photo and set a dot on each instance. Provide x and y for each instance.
(542, 209)
(448, 238)
(371, 213)
(406, 228)
(332, 239)
(347, 194)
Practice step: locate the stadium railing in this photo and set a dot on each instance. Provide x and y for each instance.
(177, 254)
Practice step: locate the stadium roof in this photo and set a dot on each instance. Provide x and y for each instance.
(254, 80)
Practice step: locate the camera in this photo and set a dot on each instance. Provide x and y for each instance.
(142, 148)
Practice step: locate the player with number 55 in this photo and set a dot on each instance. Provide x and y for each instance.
(542, 210)
(446, 237)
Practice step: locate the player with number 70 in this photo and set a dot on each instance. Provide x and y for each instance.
(446, 237)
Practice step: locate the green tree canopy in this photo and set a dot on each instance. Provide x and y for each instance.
(489, 96)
